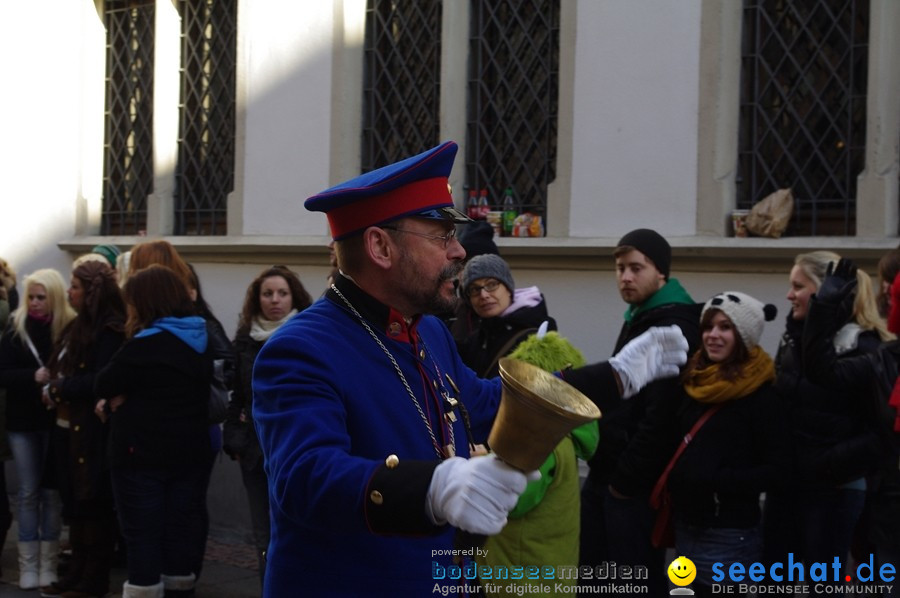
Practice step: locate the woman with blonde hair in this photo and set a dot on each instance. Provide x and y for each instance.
(834, 449)
(36, 327)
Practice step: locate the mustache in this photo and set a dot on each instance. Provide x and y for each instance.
(451, 272)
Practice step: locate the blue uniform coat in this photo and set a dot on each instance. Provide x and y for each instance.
(330, 408)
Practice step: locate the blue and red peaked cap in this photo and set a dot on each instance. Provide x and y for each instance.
(416, 186)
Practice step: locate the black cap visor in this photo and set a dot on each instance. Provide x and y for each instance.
(448, 213)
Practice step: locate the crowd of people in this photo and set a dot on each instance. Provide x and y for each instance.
(358, 420)
(115, 389)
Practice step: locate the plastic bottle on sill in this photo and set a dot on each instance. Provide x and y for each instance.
(483, 206)
(510, 211)
(472, 210)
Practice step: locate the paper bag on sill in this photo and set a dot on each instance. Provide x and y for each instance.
(771, 215)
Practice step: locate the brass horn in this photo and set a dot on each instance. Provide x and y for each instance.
(537, 410)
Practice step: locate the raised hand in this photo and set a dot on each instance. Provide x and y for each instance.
(839, 288)
(657, 353)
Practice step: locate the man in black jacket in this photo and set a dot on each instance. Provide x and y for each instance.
(616, 519)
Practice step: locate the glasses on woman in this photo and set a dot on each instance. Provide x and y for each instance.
(444, 239)
(475, 289)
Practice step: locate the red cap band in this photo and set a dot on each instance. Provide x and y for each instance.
(407, 200)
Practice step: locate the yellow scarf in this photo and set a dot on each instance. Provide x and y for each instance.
(707, 386)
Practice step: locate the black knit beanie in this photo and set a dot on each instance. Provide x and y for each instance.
(650, 243)
(477, 238)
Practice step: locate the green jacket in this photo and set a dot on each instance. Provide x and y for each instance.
(543, 529)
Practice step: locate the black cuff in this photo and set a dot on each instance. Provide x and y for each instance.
(598, 383)
(395, 498)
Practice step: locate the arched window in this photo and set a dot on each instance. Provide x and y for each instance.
(204, 174)
(803, 108)
(401, 80)
(128, 138)
(513, 100)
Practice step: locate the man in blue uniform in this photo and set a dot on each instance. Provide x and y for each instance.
(356, 402)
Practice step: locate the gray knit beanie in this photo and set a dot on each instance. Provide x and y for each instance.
(746, 313)
(487, 266)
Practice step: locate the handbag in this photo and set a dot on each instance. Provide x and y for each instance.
(219, 395)
(663, 535)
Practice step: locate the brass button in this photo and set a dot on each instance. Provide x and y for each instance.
(395, 328)
(376, 497)
(81, 459)
(392, 461)
(77, 428)
(421, 353)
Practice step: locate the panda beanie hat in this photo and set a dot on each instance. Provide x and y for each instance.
(746, 313)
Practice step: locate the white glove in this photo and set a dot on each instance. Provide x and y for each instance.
(475, 494)
(657, 353)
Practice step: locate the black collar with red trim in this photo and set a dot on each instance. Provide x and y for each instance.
(380, 316)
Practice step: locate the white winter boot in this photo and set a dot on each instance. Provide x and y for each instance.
(49, 562)
(179, 585)
(29, 553)
(154, 591)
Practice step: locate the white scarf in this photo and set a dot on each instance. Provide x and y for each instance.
(261, 329)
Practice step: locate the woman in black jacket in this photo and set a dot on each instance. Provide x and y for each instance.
(79, 437)
(833, 449)
(738, 452)
(506, 315)
(273, 297)
(157, 389)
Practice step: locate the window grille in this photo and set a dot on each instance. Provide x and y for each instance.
(128, 141)
(513, 100)
(803, 108)
(204, 175)
(401, 80)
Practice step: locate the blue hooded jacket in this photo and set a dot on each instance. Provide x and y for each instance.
(190, 330)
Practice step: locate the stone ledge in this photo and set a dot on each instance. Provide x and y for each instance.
(693, 253)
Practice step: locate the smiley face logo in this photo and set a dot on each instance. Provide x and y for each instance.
(682, 571)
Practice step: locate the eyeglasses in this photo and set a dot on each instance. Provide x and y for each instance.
(474, 290)
(445, 239)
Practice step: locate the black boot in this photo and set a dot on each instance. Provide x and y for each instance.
(75, 565)
(99, 539)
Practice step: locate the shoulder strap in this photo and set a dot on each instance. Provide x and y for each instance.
(33, 349)
(507, 347)
(656, 495)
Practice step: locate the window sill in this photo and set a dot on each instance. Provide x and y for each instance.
(695, 253)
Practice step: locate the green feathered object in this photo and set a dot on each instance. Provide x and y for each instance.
(551, 353)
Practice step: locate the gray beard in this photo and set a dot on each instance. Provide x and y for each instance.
(432, 301)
